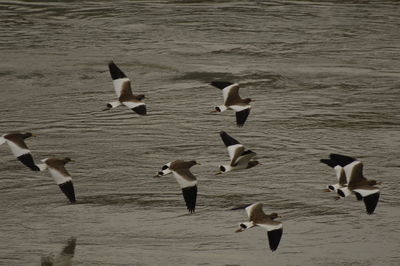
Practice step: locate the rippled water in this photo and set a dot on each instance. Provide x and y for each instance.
(325, 78)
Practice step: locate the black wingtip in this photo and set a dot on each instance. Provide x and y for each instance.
(371, 202)
(241, 117)
(240, 207)
(141, 110)
(329, 162)
(358, 196)
(221, 84)
(27, 160)
(115, 72)
(342, 160)
(274, 237)
(228, 140)
(68, 189)
(190, 195)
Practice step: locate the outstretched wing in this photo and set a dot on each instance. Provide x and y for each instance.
(342, 160)
(354, 173)
(228, 140)
(241, 116)
(274, 237)
(119, 78)
(190, 196)
(255, 210)
(340, 174)
(137, 106)
(231, 94)
(245, 157)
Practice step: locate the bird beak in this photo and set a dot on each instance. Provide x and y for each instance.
(279, 216)
(106, 109)
(34, 135)
(239, 230)
(198, 163)
(327, 190)
(337, 198)
(213, 111)
(218, 173)
(72, 161)
(379, 183)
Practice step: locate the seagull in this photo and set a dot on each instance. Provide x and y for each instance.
(232, 101)
(122, 86)
(185, 178)
(60, 174)
(363, 188)
(240, 157)
(19, 149)
(257, 217)
(62, 259)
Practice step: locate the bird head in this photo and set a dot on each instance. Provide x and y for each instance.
(274, 215)
(140, 97)
(67, 160)
(244, 226)
(247, 100)
(252, 164)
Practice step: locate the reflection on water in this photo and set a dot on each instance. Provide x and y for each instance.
(324, 76)
(64, 258)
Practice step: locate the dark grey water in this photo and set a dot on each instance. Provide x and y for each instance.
(325, 78)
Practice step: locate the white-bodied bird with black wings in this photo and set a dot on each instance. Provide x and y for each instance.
(356, 183)
(233, 101)
(122, 86)
(60, 175)
(239, 156)
(187, 181)
(16, 142)
(257, 217)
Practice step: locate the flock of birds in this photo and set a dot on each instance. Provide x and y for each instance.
(348, 169)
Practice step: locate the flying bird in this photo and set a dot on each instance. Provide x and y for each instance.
(364, 189)
(240, 157)
(233, 101)
(122, 86)
(16, 142)
(337, 162)
(61, 176)
(185, 178)
(257, 217)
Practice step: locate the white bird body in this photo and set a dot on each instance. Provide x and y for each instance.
(16, 142)
(239, 156)
(122, 87)
(257, 217)
(186, 180)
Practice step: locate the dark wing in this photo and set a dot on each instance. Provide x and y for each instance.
(190, 195)
(140, 109)
(274, 237)
(228, 140)
(115, 72)
(126, 91)
(242, 116)
(68, 189)
(342, 160)
(329, 162)
(27, 160)
(354, 173)
(370, 202)
(221, 84)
